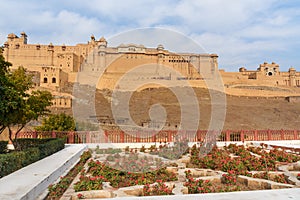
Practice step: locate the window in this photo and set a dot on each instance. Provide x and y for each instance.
(53, 80)
(45, 80)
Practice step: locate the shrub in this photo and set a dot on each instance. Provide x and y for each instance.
(51, 147)
(127, 149)
(25, 143)
(3, 146)
(157, 189)
(89, 183)
(13, 161)
(143, 149)
(31, 155)
(107, 151)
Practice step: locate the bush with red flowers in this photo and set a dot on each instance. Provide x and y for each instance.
(158, 188)
(57, 190)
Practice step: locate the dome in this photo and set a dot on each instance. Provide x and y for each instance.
(102, 39)
(160, 47)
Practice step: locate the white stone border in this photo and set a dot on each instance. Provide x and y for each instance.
(31, 181)
(279, 194)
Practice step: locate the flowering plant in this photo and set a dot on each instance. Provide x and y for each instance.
(159, 188)
(57, 190)
(277, 178)
(89, 183)
(197, 186)
(230, 178)
(119, 178)
(80, 196)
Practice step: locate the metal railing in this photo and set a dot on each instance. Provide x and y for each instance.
(117, 136)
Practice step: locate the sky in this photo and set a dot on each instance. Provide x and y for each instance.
(242, 32)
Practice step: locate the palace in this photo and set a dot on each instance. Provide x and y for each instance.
(55, 66)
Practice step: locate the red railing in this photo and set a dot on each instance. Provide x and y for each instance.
(165, 136)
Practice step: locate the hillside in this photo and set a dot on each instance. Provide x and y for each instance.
(242, 112)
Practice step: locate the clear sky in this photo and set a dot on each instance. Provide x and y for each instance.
(241, 32)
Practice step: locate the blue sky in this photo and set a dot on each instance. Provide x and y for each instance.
(242, 32)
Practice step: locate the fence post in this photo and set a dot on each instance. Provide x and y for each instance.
(269, 135)
(295, 135)
(282, 134)
(153, 138)
(169, 136)
(105, 136)
(255, 136)
(34, 135)
(71, 137)
(53, 134)
(87, 137)
(227, 139)
(242, 136)
(122, 137)
(138, 136)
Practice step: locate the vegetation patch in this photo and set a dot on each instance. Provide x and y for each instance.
(57, 190)
(32, 151)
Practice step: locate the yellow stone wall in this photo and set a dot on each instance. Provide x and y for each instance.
(60, 64)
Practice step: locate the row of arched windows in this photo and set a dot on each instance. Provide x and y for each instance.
(46, 80)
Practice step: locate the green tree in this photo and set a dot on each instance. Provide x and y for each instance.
(19, 103)
(58, 122)
(5, 87)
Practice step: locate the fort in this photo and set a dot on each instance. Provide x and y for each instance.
(57, 65)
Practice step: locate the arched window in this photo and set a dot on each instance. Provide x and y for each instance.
(53, 80)
(45, 80)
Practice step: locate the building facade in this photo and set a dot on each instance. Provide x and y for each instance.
(55, 66)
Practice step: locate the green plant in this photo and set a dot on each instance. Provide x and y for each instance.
(57, 122)
(11, 162)
(19, 102)
(110, 158)
(51, 147)
(143, 149)
(119, 178)
(153, 150)
(33, 151)
(197, 186)
(230, 178)
(89, 183)
(25, 143)
(3, 146)
(127, 149)
(57, 190)
(159, 188)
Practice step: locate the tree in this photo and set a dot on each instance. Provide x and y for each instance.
(19, 103)
(58, 122)
(5, 103)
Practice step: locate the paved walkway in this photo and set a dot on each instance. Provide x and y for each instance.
(32, 180)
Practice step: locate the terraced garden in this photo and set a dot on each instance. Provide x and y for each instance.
(164, 171)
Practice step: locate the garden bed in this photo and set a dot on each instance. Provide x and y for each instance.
(147, 172)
